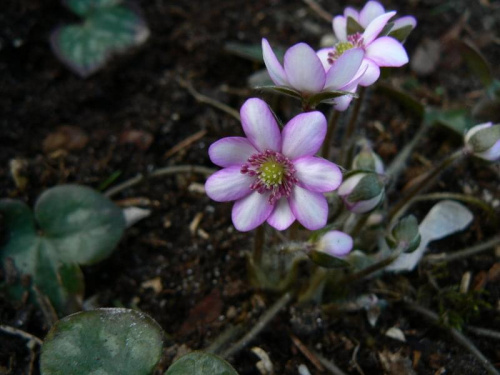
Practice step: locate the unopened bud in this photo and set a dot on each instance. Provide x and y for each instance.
(329, 250)
(405, 233)
(483, 141)
(362, 191)
(367, 160)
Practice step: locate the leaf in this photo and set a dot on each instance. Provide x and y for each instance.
(281, 90)
(102, 341)
(476, 62)
(252, 52)
(85, 48)
(76, 225)
(327, 261)
(353, 26)
(402, 33)
(199, 363)
(327, 96)
(458, 120)
(85, 7)
(444, 219)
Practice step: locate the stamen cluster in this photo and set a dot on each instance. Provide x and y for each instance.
(353, 41)
(274, 172)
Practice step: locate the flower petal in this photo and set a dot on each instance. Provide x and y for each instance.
(250, 212)
(375, 27)
(372, 73)
(303, 69)
(323, 57)
(362, 207)
(403, 22)
(344, 69)
(318, 175)
(339, 24)
(273, 66)
(310, 209)
(387, 51)
(351, 12)
(228, 184)
(336, 243)
(342, 102)
(370, 11)
(281, 217)
(231, 151)
(260, 126)
(303, 135)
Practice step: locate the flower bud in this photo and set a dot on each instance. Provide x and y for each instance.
(368, 160)
(483, 141)
(362, 191)
(406, 233)
(329, 250)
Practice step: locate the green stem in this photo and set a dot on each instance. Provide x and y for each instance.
(360, 223)
(258, 244)
(332, 124)
(425, 183)
(350, 129)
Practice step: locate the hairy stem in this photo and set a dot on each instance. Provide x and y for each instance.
(347, 141)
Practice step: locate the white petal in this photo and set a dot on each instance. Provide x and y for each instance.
(310, 209)
(344, 69)
(260, 126)
(282, 217)
(375, 27)
(362, 207)
(349, 184)
(372, 73)
(403, 22)
(273, 66)
(370, 11)
(351, 12)
(335, 243)
(304, 134)
(387, 51)
(323, 57)
(491, 154)
(231, 151)
(339, 24)
(250, 212)
(228, 184)
(316, 174)
(475, 129)
(303, 69)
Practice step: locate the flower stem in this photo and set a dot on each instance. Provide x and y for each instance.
(346, 146)
(332, 124)
(258, 244)
(361, 221)
(425, 183)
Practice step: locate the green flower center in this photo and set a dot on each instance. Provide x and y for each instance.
(271, 172)
(343, 46)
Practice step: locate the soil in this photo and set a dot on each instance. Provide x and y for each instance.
(123, 120)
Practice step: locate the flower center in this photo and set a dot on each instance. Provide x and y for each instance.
(353, 41)
(275, 173)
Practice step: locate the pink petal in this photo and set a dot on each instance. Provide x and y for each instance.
(351, 12)
(372, 73)
(304, 69)
(491, 154)
(231, 151)
(282, 217)
(370, 11)
(375, 27)
(350, 184)
(344, 69)
(303, 135)
(228, 184)
(403, 22)
(336, 243)
(310, 209)
(342, 102)
(340, 28)
(387, 51)
(323, 57)
(260, 126)
(250, 212)
(273, 66)
(318, 175)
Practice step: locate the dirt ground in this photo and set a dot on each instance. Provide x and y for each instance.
(193, 282)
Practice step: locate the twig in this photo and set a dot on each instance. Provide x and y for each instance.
(318, 9)
(457, 335)
(224, 338)
(158, 173)
(330, 366)
(17, 332)
(184, 143)
(207, 100)
(260, 325)
(484, 332)
(472, 250)
(307, 353)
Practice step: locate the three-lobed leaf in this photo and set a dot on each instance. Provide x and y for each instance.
(199, 363)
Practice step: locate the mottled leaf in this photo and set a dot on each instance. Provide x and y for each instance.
(199, 363)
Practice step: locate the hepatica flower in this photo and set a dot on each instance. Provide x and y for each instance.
(371, 26)
(308, 73)
(272, 175)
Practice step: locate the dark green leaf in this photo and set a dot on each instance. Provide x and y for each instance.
(402, 33)
(252, 52)
(353, 26)
(327, 261)
(476, 62)
(86, 7)
(199, 363)
(457, 120)
(103, 341)
(327, 97)
(282, 90)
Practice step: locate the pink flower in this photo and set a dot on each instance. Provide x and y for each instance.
(308, 73)
(383, 51)
(272, 175)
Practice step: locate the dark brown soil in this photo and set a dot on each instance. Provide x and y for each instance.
(200, 277)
